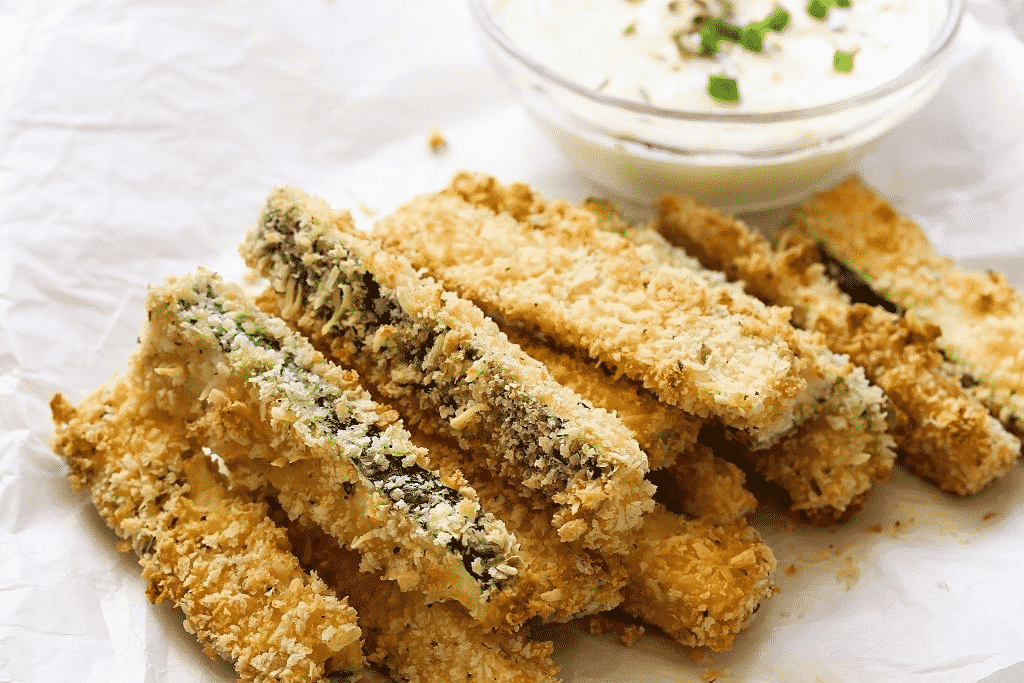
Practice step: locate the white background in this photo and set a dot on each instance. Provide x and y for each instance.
(137, 140)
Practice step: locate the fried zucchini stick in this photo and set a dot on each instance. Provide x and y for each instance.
(417, 641)
(830, 462)
(697, 342)
(707, 486)
(449, 370)
(944, 434)
(557, 581)
(980, 315)
(211, 553)
(700, 582)
(285, 419)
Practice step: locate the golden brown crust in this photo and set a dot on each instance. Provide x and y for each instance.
(697, 342)
(556, 581)
(699, 582)
(704, 485)
(208, 551)
(287, 421)
(943, 433)
(665, 433)
(980, 314)
(417, 641)
(448, 369)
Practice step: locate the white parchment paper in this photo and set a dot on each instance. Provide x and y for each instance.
(137, 140)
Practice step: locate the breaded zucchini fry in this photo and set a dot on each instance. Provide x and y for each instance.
(697, 342)
(211, 553)
(285, 419)
(699, 582)
(449, 370)
(557, 581)
(416, 641)
(944, 434)
(664, 432)
(980, 315)
(706, 485)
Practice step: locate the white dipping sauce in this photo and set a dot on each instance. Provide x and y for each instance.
(630, 49)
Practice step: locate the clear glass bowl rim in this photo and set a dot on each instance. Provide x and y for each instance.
(943, 40)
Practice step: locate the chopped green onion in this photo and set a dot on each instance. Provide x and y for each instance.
(842, 3)
(709, 40)
(818, 9)
(752, 37)
(779, 19)
(726, 30)
(843, 61)
(723, 89)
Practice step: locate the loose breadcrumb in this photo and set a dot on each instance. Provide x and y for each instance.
(448, 369)
(208, 551)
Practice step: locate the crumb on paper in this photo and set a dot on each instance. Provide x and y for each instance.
(989, 516)
(791, 569)
(850, 572)
(942, 585)
(712, 675)
(698, 656)
(599, 625)
(631, 634)
(875, 528)
(437, 141)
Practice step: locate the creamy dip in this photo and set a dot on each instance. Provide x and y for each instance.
(649, 51)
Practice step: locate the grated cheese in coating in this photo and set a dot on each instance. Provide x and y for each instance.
(448, 369)
(696, 341)
(211, 553)
(944, 434)
(286, 420)
(980, 315)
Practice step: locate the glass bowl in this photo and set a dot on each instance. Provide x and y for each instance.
(738, 161)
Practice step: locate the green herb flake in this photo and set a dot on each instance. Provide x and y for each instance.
(818, 9)
(629, 30)
(779, 19)
(752, 38)
(724, 89)
(843, 61)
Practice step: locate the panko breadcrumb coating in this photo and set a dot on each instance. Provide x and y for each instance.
(210, 552)
(557, 581)
(980, 315)
(286, 420)
(706, 485)
(700, 582)
(697, 342)
(417, 641)
(943, 433)
(830, 462)
(448, 369)
(665, 433)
